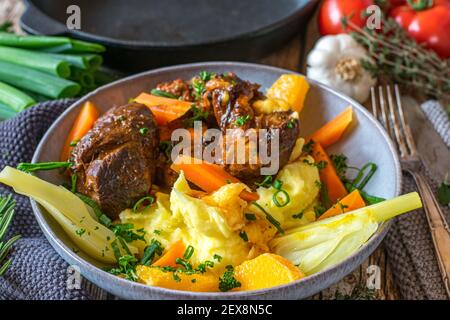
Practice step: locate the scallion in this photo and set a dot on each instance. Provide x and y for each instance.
(6, 112)
(37, 82)
(188, 253)
(150, 199)
(42, 166)
(269, 217)
(48, 43)
(13, 98)
(161, 93)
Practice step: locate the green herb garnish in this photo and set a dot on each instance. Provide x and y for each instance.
(138, 204)
(74, 143)
(126, 266)
(278, 186)
(151, 251)
(197, 115)
(243, 235)
(269, 217)
(227, 281)
(266, 183)
(241, 120)
(188, 253)
(125, 231)
(443, 193)
(143, 131)
(161, 93)
(291, 123)
(307, 148)
(298, 215)
(32, 167)
(102, 218)
(7, 206)
(250, 216)
(80, 232)
(217, 257)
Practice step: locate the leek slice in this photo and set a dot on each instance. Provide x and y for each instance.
(69, 211)
(321, 244)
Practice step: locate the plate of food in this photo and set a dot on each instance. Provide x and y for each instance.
(217, 180)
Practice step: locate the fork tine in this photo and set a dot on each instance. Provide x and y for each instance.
(374, 102)
(399, 136)
(384, 112)
(406, 128)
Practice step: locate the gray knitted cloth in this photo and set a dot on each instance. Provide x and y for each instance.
(37, 272)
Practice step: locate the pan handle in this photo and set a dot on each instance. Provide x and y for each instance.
(34, 21)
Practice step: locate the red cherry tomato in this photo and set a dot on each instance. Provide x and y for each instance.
(332, 11)
(429, 26)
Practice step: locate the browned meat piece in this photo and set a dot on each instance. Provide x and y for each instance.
(115, 162)
(232, 100)
(178, 88)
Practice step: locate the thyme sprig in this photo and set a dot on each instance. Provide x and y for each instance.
(399, 58)
(7, 206)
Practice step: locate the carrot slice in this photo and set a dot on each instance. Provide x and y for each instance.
(331, 132)
(351, 202)
(175, 251)
(328, 175)
(164, 109)
(209, 177)
(83, 123)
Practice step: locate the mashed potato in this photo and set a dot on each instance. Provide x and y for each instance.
(300, 182)
(199, 223)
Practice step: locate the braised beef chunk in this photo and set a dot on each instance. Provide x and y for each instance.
(179, 88)
(115, 162)
(232, 99)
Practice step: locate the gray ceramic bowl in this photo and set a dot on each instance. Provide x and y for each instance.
(366, 141)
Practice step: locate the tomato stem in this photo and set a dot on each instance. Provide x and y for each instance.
(419, 5)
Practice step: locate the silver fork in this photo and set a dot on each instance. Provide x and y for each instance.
(390, 113)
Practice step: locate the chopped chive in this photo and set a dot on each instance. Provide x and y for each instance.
(143, 131)
(189, 252)
(265, 183)
(269, 217)
(32, 167)
(243, 235)
(161, 93)
(150, 199)
(250, 217)
(287, 199)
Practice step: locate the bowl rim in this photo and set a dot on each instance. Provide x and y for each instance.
(74, 258)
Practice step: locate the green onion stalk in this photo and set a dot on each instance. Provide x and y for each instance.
(82, 61)
(13, 98)
(36, 60)
(37, 81)
(49, 44)
(324, 243)
(6, 112)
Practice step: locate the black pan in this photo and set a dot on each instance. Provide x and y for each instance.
(142, 34)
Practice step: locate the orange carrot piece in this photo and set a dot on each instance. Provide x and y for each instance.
(331, 132)
(83, 123)
(164, 109)
(175, 251)
(351, 202)
(209, 177)
(328, 175)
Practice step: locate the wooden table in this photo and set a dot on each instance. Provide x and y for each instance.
(291, 57)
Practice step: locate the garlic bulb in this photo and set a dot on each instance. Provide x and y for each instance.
(336, 62)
